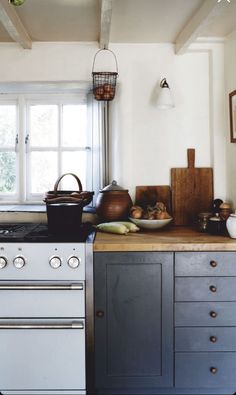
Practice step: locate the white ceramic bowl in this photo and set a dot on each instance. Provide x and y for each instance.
(151, 223)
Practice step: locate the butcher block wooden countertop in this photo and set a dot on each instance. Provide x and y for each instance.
(169, 239)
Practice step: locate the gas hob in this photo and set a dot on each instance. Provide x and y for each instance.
(38, 232)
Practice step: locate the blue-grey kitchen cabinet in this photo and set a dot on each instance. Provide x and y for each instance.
(133, 321)
(205, 322)
(140, 348)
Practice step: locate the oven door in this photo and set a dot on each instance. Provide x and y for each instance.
(42, 354)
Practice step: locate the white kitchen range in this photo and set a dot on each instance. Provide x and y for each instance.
(42, 309)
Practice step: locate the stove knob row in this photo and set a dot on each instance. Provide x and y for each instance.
(18, 262)
(55, 262)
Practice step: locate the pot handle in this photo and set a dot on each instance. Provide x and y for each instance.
(67, 174)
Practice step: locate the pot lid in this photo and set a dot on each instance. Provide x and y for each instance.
(113, 187)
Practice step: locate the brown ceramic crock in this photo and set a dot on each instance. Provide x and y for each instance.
(113, 203)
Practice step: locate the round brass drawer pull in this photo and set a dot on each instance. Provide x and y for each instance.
(213, 263)
(213, 288)
(213, 370)
(213, 314)
(213, 339)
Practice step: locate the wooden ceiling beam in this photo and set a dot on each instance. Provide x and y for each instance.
(13, 24)
(106, 14)
(193, 29)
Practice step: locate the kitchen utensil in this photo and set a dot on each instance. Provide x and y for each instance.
(192, 191)
(58, 196)
(225, 210)
(216, 206)
(151, 224)
(113, 203)
(202, 221)
(149, 195)
(216, 225)
(64, 208)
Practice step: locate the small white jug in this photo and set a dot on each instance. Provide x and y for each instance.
(231, 225)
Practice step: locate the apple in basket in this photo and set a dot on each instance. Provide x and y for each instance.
(109, 90)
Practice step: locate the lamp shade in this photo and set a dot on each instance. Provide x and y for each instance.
(165, 100)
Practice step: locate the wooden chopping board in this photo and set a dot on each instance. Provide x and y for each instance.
(149, 195)
(192, 191)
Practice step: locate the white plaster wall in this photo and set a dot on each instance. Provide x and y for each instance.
(147, 142)
(230, 79)
(150, 141)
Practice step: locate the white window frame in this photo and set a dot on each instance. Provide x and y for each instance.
(97, 112)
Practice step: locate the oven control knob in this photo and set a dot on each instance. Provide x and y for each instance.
(73, 262)
(19, 262)
(55, 262)
(3, 262)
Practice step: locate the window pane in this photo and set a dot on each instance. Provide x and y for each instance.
(7, 172)
(7, 125)
(43, 171)
(74, 125)
(43, 125)
(74, 162)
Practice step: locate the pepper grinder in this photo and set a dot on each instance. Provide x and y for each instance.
(216, 206)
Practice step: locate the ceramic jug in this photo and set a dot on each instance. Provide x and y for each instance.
(231, 225)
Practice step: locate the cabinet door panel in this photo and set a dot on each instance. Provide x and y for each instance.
(205, 289)
(205, 264)
(205, 314)
(133, 320)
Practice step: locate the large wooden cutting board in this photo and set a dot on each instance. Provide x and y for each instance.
(150, 194)
(192, 191)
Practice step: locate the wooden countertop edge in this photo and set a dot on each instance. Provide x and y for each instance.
(164, 247)
(173, 239)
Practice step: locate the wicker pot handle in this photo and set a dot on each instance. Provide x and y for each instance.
(67, 174)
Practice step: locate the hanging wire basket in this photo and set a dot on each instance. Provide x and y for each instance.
(104, 82)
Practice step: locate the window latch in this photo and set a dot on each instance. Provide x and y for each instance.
(16, 143)
(26, 142)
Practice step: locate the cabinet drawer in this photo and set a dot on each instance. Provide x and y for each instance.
(206, 370)
(205, 339)
(205, 264)
(205, 289)
(205, 314)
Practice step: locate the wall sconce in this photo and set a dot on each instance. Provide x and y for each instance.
(165, 99)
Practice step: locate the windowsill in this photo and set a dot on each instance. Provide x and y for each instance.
(15, 213)
(34, 208)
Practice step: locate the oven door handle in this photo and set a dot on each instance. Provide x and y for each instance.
(43, 325)
(46, 287)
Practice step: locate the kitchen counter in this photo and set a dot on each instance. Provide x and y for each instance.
(169, 239)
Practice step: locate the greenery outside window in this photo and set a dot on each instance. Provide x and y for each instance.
(44, 136)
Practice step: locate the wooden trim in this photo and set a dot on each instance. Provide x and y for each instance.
(13, 25)
(207, 11)
(231, 118)
(106, 14)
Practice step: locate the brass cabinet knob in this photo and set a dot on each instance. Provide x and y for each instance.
(213, 288)
(213, 314)
(213, 370)
(100, 313)
(213, 263)
(213, 339)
